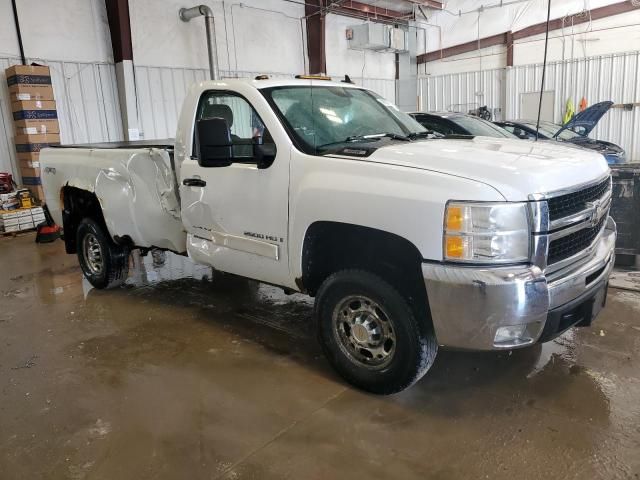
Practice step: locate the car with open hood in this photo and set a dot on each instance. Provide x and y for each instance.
(576, 131)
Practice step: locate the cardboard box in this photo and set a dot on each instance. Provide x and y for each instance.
(26, 226)
(42, 125)
(31, 181)
(28, 156)
(30, 172)
(4, 216)
(35, 143)
(21, 92)
(29, 164)
(37, 211)
(28, 75)
(28, 105)
(34, 110)
(12, 228)
(10, 222)
(38, 138)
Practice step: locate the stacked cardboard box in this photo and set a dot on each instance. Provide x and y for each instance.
(20, 219)
(35, 119)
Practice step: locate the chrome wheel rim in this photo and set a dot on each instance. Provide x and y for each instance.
(364, 332)
(93, 253)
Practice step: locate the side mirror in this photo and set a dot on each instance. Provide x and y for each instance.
(213, 141)
(264, 153)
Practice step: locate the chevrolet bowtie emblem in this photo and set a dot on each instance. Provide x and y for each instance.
(594, 212)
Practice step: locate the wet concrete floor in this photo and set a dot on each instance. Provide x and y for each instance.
(178, 375)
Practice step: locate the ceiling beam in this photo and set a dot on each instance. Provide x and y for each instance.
(507, 38)
(368, 11)
(499, 39)
(576, 19)
(428, 3)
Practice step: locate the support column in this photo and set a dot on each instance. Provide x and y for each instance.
(315, 15)
(120, 27)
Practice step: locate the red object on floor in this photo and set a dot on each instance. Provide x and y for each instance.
(47, 233)
(6, 183)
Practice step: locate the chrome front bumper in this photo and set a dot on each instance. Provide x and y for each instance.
(469, 305)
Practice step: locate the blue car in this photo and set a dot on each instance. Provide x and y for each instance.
(575, 131)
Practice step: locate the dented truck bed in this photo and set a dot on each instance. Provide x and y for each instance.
(134, 182)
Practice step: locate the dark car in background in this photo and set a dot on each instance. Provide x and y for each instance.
(576, 131)
(450, 123)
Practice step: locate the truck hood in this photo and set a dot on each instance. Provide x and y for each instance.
(514, 167)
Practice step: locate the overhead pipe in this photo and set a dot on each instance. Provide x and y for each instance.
(187, 14)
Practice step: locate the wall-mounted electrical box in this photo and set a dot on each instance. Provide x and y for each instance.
(377, 37)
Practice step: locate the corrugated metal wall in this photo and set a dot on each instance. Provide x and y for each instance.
(161, 91)
(609, 77)
(87, 103)
(461, 92)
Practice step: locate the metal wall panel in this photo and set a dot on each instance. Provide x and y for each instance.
(161, 91)
(461, 92)
(86, 100)
(608, 77)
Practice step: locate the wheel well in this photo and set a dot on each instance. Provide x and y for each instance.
(77, 205)
(332, 246)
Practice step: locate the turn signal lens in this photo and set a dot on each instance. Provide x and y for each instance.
(491, 232)
(455, 247)
(454, 219)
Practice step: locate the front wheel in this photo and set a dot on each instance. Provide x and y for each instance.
(104, 264)
(370, 334)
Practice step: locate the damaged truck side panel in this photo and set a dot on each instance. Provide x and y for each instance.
(134, 187)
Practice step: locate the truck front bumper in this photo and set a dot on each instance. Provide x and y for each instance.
(476, 308)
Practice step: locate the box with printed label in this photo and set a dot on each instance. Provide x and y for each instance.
(9, 215)
(34, 110)
(22, 92)
(12, 228)
(28, 75)
(41, 126)
(37, 211)
(10, 221)
(35, 143)
(26, 226)
(28, 156)
(29, 164)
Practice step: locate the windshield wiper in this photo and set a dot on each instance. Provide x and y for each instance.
(366, 138)
(425, 134)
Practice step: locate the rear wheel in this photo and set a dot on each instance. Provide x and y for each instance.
(104, 264)
(370, 334)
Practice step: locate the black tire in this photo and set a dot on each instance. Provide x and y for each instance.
(114, 259)
(415, 344)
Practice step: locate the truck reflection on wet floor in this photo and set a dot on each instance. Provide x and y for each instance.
(284, 325)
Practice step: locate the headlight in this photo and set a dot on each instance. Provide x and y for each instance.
(486, 232)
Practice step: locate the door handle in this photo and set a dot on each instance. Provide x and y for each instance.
(194, 182)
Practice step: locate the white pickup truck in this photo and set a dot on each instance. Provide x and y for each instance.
(406, 241)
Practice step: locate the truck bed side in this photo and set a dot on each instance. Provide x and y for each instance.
(136, 189)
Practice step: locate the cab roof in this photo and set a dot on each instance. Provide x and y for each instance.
(281, 82)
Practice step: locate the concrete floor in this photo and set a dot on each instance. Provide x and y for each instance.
(178, 376)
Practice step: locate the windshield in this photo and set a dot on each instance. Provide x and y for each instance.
(480, 127)
(321, 118)
(549, 129)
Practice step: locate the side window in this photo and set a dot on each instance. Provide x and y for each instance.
(434, 125)
(246, 126)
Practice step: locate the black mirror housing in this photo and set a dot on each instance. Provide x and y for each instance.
(213, 140)
(264, 153)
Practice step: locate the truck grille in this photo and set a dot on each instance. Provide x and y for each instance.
(573, 243)
(575, 202)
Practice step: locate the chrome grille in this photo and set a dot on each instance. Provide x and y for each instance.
(572, 244)
(570, 203)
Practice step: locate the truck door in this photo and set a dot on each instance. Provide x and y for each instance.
(236, 211)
